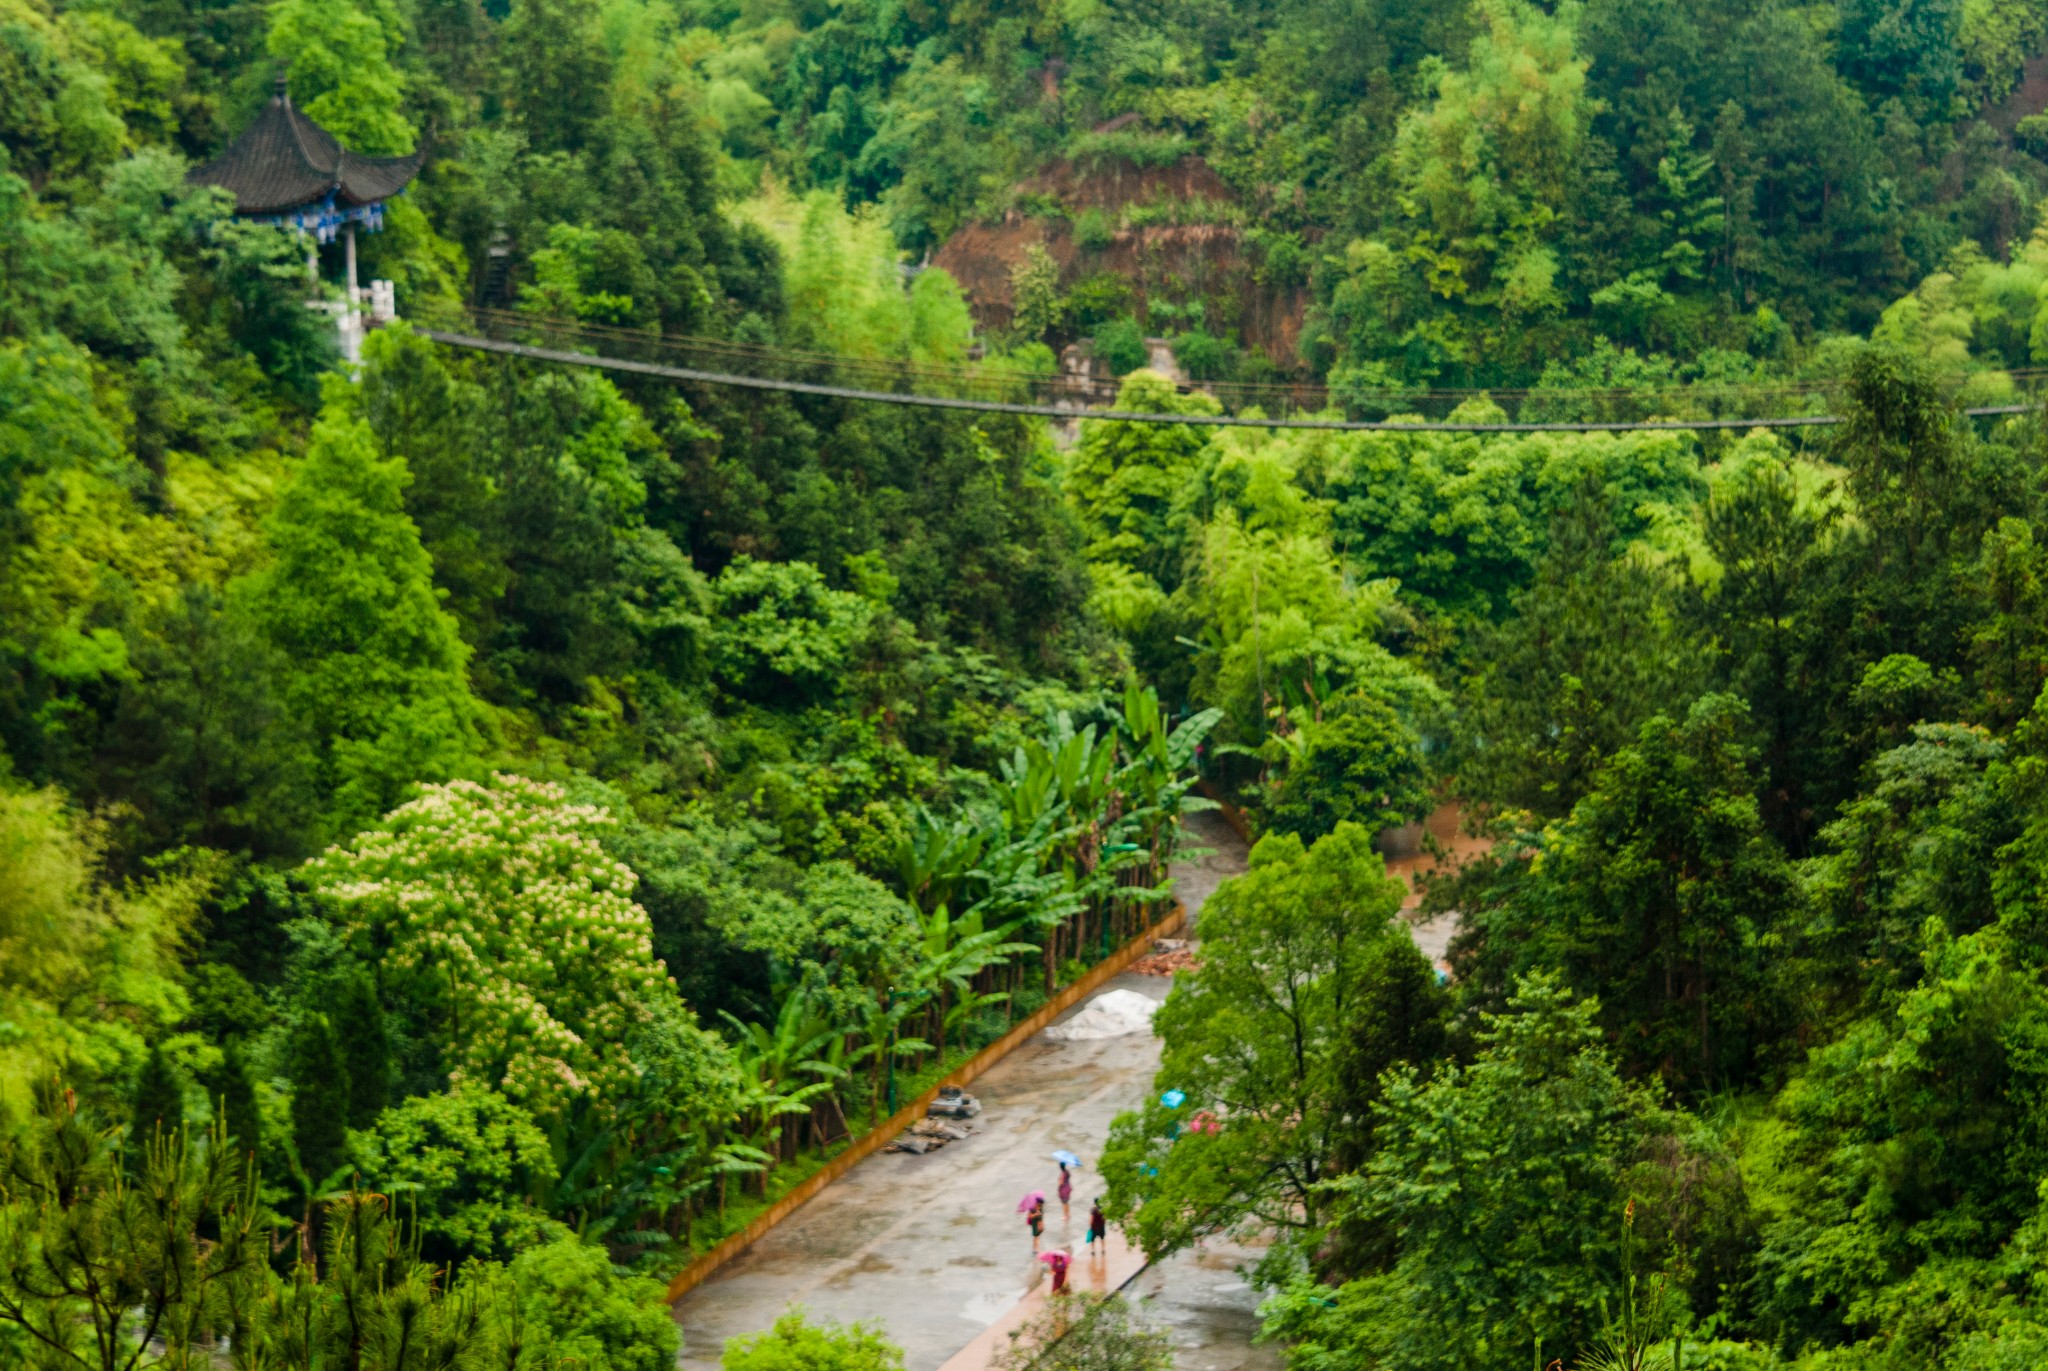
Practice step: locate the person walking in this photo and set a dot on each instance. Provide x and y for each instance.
(1035, 1217)
(1066, 1197)
(1098, 1232)
(1058, 1261)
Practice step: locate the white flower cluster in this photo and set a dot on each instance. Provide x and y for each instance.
(499, 903)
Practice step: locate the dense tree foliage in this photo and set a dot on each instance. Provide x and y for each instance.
(571, 802)
(553, 802)
(1465, 193)
(1293, 954)
(1731, 1045)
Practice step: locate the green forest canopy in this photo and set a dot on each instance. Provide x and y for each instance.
(832, 737)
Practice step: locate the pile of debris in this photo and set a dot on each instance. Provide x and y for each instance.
(1112, 1014)
(953, 1103)
(933, 1131)
(929, 1135)
(1168, 956)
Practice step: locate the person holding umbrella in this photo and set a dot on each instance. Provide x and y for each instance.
(1059, 1261)
(1032, 1207)
(1066, 1159)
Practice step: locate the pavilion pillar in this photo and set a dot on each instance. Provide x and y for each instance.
(351, 232)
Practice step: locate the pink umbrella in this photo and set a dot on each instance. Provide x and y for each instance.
(1030, 1198)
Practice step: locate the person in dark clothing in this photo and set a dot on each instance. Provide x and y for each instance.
(1098, 1231)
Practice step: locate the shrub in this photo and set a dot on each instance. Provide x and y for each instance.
(1035, 304)
(1120, 345)
(795, 1344)
(467, 1161)
(1098, 299)
(1094, 229)
(1204, 356)
(578, 1311)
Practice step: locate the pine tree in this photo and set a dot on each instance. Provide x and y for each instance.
(159, 1097)
(365, 1046)
(238, 1103)
(320, 1097)
(376, 666)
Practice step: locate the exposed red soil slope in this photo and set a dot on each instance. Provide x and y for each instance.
(1168, 261)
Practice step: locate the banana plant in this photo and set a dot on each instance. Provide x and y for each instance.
(1067, 772)
(841, 1057)
(1167, 754)
(1029, 791)
(937, 859)
(1161, 772)
(725, 1158)
(953, 952)
(881, 1044)
(614, 1184)
(772, 1058)
(1032, 896)
(956, 948)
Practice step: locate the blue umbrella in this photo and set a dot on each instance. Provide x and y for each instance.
(1173, 1099)
(1066, 1158)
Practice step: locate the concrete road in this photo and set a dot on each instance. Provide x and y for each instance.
(1195, 878)
(1205, 1302)
(931, 1248)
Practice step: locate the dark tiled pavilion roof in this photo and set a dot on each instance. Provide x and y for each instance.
(285, 160)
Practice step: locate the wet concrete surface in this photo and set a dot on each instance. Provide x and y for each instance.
(1196, 878)
(931, 1249)
(1205, 1302)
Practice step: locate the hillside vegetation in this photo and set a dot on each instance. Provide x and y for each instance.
(473, 833)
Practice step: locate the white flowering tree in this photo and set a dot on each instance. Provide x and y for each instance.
(497, 906)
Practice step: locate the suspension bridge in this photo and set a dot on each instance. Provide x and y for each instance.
(591, 339)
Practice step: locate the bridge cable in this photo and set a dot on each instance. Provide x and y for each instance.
(897, 397)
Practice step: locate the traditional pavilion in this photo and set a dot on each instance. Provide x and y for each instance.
(286, 169)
